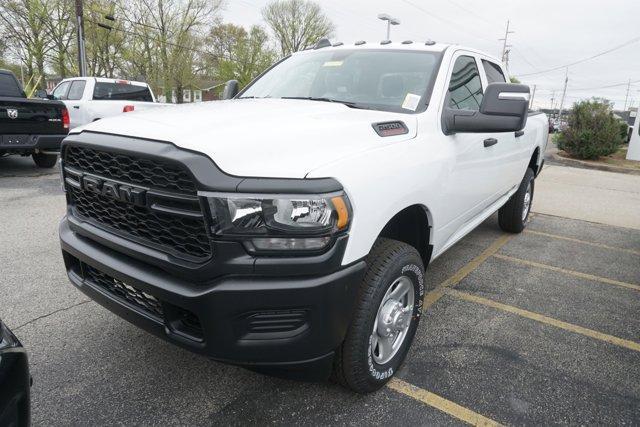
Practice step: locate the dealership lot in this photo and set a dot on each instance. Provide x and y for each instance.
(534, 328)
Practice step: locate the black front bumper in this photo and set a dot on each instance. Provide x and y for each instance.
(252, 319)
(31, 143)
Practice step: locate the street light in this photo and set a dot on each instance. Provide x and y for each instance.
(390, 21)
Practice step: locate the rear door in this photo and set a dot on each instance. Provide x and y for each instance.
(510, 152)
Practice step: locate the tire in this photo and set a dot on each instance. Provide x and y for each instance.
(513, 216)
(391, 265)
(44, 160)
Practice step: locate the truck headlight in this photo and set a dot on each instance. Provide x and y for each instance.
(280, 222)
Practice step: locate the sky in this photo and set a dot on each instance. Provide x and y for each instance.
(547, 34)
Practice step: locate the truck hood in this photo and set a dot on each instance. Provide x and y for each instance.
(277, 138)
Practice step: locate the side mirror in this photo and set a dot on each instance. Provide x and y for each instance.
(41, 93)
(231, 89)
(504, 108)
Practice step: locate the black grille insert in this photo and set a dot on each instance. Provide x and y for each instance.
(123, 291)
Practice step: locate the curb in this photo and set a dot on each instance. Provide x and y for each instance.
(553, 158)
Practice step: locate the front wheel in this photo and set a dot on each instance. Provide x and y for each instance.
(385, 320)
(512, 217)
(44, 160)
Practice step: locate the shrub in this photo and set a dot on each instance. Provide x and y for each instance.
(592, 131)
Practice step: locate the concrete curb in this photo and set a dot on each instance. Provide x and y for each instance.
(553, 158)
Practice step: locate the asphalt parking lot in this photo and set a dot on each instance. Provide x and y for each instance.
(536, 328)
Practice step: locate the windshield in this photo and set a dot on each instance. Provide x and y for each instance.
(372, 79)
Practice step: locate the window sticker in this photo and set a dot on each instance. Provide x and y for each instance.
(332, 64)
(411, 102)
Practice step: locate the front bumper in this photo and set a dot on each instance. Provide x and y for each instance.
(252, 319)
(31, 143)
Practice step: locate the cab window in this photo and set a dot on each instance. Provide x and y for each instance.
(465, 87)
(76, 90)
(61, 91)
(494, 72)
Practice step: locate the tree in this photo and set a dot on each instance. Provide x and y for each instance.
(23, 24)
(297, 24)
(60, 29)
(237, 54)
(592, 130)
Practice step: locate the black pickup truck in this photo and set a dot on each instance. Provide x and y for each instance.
(30, 127)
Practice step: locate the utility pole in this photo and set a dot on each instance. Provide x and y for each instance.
(533, 95)
(553, 98)
(564, 92)
(505, 53)
(82, 59)
(626, 98)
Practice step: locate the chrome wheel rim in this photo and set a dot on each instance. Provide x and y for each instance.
(527, 203)
(392, 321)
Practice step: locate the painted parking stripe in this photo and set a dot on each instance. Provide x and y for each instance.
(433, 296)
(569, 272)
(440, 403)
(583, 242)
(545, 319)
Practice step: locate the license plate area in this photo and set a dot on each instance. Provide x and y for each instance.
(16, 140)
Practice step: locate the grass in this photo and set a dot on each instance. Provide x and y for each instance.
(617, 159)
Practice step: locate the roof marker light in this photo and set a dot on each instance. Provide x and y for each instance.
(360, 42)
(385, 42)
(407, 42)
(338, 44)
(429, 43)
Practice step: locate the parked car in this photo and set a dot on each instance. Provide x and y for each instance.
(30, 127)
(15, 381)
(290, 226)
(93, 98)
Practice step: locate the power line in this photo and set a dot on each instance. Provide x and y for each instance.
(446, 21)
(620, 46)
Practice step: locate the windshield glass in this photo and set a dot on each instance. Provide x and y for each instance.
(373, 79)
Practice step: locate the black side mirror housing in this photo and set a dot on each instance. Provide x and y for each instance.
(504, 108)
(231, 89)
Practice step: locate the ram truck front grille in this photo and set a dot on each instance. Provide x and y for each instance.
(150, 202)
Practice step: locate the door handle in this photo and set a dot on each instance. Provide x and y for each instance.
(77, 107)
(519, 133)
(490, 141)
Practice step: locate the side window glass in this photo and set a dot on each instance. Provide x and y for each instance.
(494, 72)
(76, 90)
(465, 88)
(61, 91)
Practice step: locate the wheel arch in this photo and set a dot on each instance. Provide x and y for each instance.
(413, 226)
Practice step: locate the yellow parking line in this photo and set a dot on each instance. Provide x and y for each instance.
(440, 403)
(584, 242)
(569, 272)
(433, 296)
(546, 320)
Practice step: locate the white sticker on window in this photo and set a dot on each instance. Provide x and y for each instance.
(332, 64)
(411, 102)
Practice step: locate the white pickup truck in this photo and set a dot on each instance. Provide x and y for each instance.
(290, 226)
(93, 98)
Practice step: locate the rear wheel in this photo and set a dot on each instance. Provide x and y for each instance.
(44, 160)
(513, 216)
(385, 320)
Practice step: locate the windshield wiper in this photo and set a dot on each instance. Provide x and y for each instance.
(322, 99)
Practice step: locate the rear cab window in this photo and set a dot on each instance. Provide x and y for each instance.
(121, 91)
(9, 86)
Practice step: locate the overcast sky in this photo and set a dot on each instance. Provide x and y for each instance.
(547, 34)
